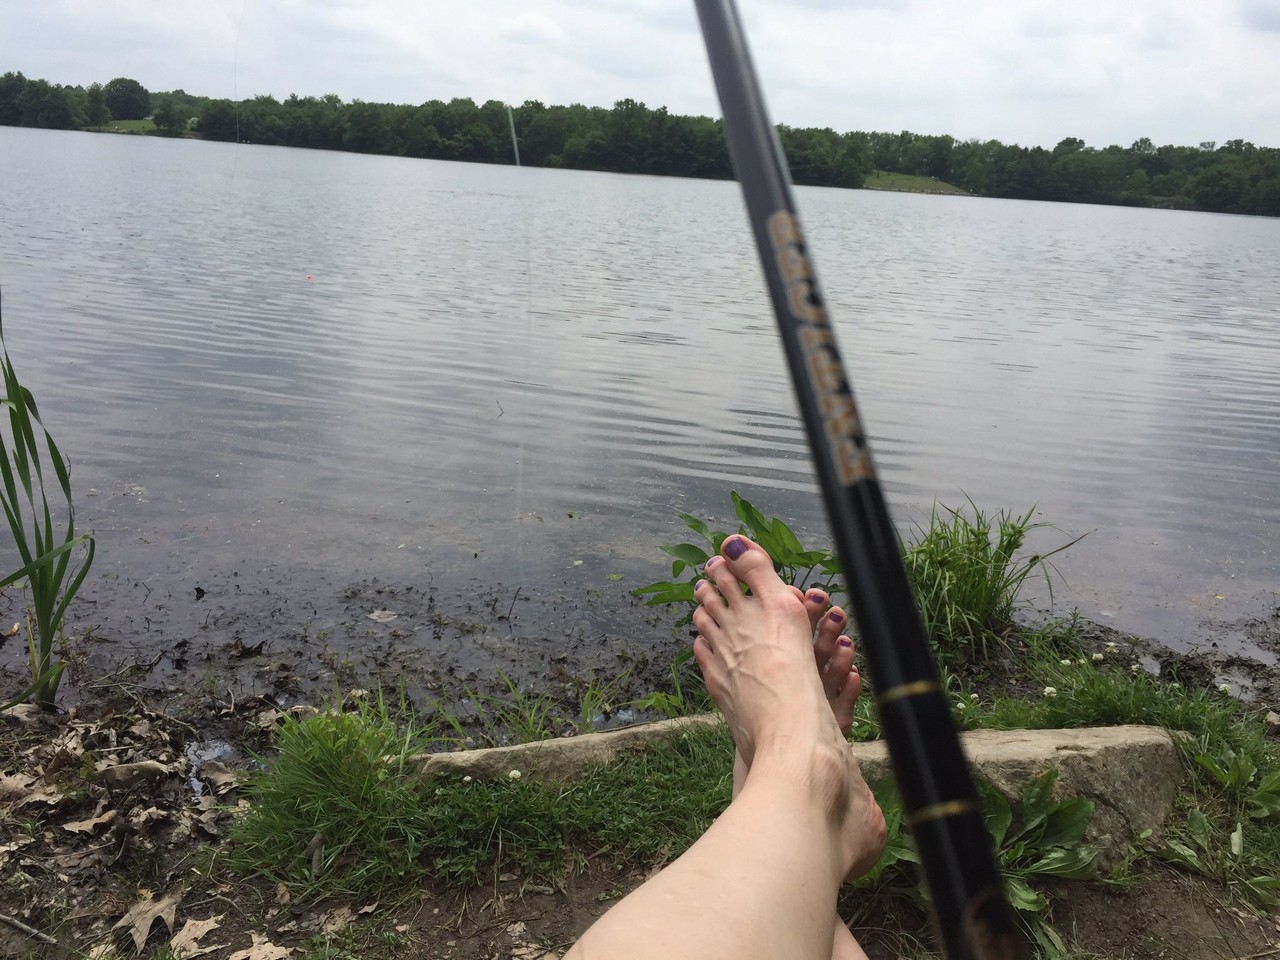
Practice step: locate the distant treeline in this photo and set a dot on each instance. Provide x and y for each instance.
(1236, 177)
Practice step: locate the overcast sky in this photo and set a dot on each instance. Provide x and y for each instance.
(1021, 71)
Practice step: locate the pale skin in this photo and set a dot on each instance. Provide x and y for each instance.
(762, 881)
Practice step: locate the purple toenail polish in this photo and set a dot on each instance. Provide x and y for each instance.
(735, 547)
(846, 642)
(835, 616)
(816, 596)
(710, 563)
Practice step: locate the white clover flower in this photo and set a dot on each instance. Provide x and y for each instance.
(1097, 657)
(1064, 663)
(1224, 688)
(973, 697)
(1135, 667)
(467, 778)
(1111, 647)
(1083, 663)
(1050, 692)
(513, 775)
(961, 705)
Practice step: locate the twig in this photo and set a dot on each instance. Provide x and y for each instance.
(513, 603)
(1265, 953)
(29, 931)
(500, 411)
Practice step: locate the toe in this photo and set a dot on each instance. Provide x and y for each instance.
(721, 578)
(748, 563)
(815, 604)
(842, 675)
(824, 641)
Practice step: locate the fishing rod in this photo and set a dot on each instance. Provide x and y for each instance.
(939, 800)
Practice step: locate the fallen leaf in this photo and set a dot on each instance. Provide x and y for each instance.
(335, 921)
(87, 826)
(243, 651)
(125, 775)
(262, 949)
(368, 908)
(13, 787)
(140, 818)
(145, 912)
(186, 943)
(218, 776)
(383, 616)
(282, 895)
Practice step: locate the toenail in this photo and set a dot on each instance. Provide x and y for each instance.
(710, 563)
(817, 596)
(846, 642)
(835, 616)
(735, 547)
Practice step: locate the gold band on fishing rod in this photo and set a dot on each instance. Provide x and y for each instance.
(914, 689)
(940, 811)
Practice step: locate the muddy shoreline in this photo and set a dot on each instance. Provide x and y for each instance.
(204, 650)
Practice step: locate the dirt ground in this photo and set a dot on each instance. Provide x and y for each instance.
(112, 813)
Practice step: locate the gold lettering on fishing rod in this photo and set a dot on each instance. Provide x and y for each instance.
(940, 811)
(835, 400)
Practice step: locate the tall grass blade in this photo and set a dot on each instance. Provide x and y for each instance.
(53, 570)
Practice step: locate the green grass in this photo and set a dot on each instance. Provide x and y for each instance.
(909, 182)
(338, 810)
(128, 126)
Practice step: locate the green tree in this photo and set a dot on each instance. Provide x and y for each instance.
(11, 87)
(97, 114)
(127, 99)
(47, 106)
(170, 118)
(218, 121)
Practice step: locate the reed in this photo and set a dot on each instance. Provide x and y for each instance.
(54, 558)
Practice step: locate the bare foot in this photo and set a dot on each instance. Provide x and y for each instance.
(756, 653)
(833, 657)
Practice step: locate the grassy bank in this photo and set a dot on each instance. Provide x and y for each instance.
(328, 844)
(910, 183)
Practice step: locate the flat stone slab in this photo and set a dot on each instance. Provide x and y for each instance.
(1131, 773)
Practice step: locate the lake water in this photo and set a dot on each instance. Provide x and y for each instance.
(295, 376)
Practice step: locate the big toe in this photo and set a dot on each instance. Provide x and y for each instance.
(751, 565)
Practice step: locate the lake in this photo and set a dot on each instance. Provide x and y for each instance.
(297, 386)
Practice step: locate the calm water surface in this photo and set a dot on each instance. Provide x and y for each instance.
(287, 372)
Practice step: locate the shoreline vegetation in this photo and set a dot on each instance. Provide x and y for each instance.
(1234, 177)
(307, 831)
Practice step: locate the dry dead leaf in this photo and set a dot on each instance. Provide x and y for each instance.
(262, 949)
(14, 787)
(218, 776)
(368, 908)
(87, 826)
(335, 921)
(145, 912)
(125, 775)
(186, 943)
(102, 951)
(140, 818)
(282, 895)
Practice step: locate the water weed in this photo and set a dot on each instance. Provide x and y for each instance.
(967, 570)
(54, 559)
(968, 575)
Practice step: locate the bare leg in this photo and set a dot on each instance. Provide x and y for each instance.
(762, 881)
(833, 656)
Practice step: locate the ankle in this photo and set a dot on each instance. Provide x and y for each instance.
(819, 769)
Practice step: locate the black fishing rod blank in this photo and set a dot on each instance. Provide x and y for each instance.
(939, 800)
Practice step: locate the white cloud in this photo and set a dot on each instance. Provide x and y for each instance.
(1177, 71)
